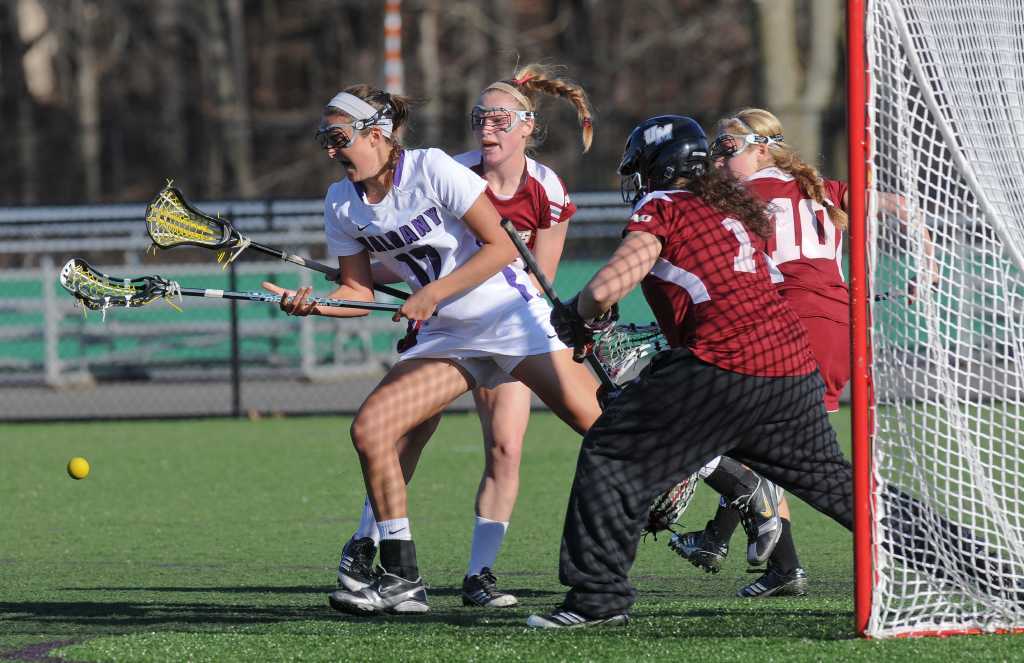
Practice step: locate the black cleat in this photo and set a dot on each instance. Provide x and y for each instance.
(388, 594)
(355, 570)
(481, 591)
(773, 583)
(759, 515)
(701, 549)
(562, 618)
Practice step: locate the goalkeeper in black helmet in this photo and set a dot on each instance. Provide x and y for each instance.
(739, 379)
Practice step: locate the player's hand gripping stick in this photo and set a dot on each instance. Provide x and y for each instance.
(562, 312)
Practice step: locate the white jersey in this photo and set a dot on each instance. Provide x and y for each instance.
(417, 232)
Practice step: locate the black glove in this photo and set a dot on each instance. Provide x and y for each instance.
(410, 338)
(573, 330)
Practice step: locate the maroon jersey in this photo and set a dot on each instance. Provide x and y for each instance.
(540, 203)
(806, 247)
(711, 289)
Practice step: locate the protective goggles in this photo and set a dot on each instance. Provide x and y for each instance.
(496, 118)
(335, 135)
(726, 146)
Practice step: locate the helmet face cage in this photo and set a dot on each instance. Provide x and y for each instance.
(497, 118)
(631, 187)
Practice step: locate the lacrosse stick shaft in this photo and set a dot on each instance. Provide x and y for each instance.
(276, 299)
(331, 273)
(549, 292)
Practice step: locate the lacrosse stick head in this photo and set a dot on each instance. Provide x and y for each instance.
(621, 347)
(99, 292)
(668, 507)
(171, 221)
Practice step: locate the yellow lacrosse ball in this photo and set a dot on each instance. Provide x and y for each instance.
(78, 468)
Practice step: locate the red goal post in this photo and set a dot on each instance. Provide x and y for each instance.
(936, 154)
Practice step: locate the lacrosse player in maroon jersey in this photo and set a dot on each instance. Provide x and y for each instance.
(806, 247)
(739, 380)
(535, 199)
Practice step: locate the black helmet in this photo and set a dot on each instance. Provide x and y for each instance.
(658, 151)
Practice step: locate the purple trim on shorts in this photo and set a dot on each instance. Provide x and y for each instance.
(510, 277)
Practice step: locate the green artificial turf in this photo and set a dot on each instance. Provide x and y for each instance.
(217, 540)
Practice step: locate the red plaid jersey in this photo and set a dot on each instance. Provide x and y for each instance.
(806, 247)
(712, 289)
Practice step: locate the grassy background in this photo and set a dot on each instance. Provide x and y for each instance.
(217, 540)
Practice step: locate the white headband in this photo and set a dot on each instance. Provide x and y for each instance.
(358, 110)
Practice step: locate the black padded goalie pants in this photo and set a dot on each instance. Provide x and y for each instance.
(677, 416)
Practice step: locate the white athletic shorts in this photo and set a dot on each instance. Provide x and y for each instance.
(490, 348)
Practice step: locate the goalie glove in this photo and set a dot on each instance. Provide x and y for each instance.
(669, 506)
(574, 331)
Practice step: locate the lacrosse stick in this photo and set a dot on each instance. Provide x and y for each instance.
(611, 389)
(621, 347)
(668, 507)
(99, 292)
(171, 221)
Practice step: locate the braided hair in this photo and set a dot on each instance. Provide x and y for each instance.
(785, 158)
(534, 80)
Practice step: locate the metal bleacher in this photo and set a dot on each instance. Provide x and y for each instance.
(47, 343)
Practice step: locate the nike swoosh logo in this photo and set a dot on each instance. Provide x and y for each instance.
(395, 531)
(552, 335)
(361, 228)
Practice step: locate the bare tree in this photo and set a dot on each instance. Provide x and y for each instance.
(228, 116)
(799, 83)
(429, 64)
(171, 110)
(151, 87)
(99, 34)
(15, 90)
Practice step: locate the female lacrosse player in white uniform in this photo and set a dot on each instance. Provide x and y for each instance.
(426, 218)
(534, 198)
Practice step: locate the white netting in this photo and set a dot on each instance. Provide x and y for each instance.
(946, 118)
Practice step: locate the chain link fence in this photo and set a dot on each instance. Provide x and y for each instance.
(206, 357)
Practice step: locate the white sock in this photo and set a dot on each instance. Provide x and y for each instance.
(368, 524)
(396, 529)
(487, 538)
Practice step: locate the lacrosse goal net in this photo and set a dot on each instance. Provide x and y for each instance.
(937, 144)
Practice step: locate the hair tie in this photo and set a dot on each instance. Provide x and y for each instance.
(523, 79)
(587, 123)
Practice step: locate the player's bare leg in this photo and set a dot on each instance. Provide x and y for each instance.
(355, 567)
(567, 387)
(504, 414)
(411, 393)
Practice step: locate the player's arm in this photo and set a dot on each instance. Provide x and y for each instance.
(355, 284)
(548, 247)
(896, 205)
(496, 251)
(630, 263)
